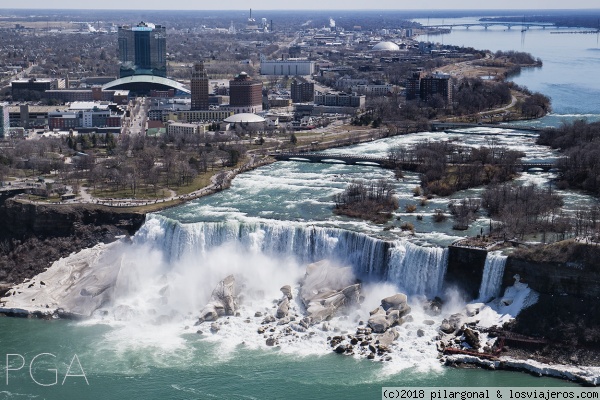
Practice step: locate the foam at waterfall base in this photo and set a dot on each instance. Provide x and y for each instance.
(166, 276)
(157, 303)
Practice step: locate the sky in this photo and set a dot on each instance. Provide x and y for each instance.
(305, 4)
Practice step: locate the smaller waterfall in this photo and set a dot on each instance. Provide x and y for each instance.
(417, 269)
(493, 271)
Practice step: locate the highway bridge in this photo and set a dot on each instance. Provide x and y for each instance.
(485, 24)
(381, 162)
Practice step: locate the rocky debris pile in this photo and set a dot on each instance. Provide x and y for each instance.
(327, 289)
(375, 340)
(460, 333)
(389, 313)
(222, 301)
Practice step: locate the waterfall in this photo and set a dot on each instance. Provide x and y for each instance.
(306, 244)
(491, 280)
(417, 269)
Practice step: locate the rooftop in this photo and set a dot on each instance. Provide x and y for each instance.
(244, 117)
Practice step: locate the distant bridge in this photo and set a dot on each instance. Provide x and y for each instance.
(348, 159)
(381, 162)
(508, 25)
(460, 125)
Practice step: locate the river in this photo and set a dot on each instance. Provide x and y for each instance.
(267, 226)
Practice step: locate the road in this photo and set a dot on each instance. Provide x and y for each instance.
(138, 117)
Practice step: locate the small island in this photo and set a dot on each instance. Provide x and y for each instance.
(373, 201)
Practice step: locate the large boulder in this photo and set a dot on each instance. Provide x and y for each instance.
(327, 289)
(209, 313)
(403, 310)
(379, 323)
(388, 337)
(222, 301)
(396, 301)
(287, 291)
(225, 294)
(452, 324)
(283, 308)
(471, 338)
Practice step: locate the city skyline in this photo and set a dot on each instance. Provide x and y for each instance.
(312, 5)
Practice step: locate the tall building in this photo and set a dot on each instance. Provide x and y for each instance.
(143, 50)
(245, 94)
(199, 85)
(413, 85)
(302, 90)
(437, 84)
(424, 87)
(4, 120)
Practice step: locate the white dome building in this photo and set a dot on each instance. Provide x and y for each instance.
(386, 46)
(246, 120)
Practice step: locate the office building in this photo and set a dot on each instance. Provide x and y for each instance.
(87, 115)
(424, 87)
(340, 99)
(437, 84)
(245, 94)
(199, 84)
(180, 128)
(93, 94)
(302, 90)
(413, 85)
(373, 90)
(196, 116)
(24, 87)
(26, 116)
(142, 50)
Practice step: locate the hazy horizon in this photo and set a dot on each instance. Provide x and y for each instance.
(234, 5)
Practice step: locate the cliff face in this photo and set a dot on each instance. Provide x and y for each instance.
(465, 269)
(555, 278)
(32, 236)
(24, 219)
(566, 268)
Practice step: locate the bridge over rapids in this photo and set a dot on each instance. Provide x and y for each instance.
(381, 162)
(462, 125)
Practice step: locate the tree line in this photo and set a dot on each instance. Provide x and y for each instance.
(447, 167)
(373, 200)
(131, 166)
(579, 142)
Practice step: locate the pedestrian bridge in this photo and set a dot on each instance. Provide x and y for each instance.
(382, 162)
(462, 125)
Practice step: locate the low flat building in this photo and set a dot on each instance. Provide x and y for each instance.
(373, 90)
(190, 116)
(93, 94)
(287, 67)
(87, 115)
(340, 99)
(180, 128)
(28, 116)
(23, 87)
